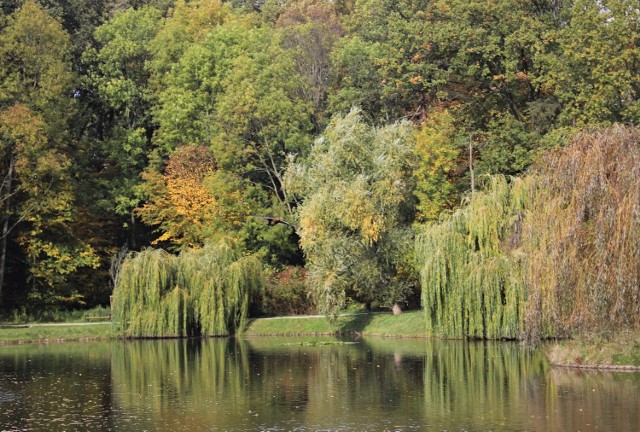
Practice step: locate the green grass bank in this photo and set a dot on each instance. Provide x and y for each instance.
(408, 324)
(46, 333)
(620, 351)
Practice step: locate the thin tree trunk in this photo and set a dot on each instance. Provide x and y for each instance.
(132, 232)
(5, 225)
(473, 180)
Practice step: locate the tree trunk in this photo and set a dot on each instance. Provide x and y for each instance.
(473, 180)
(5, 225)
(396, 309)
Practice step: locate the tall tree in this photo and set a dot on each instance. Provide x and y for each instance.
(311, 28)
(381, 66)
(120, 129)
(595, 75)
(486, 60)
(358, 207)
(36, 85)
(260, 118)
(189, 56)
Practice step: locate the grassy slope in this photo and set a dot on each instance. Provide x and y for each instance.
(622, 349)
(55, 333)
(408, 324)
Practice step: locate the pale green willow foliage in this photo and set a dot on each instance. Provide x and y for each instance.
(553, 253)
(471, 278)
(199, 292)
(357, 187)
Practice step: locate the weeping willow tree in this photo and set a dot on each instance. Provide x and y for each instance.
(549, 254)
(471, 286)
(582, 238)
(199, 292)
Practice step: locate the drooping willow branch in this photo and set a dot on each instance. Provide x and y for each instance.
(199, 292)
(549, 254)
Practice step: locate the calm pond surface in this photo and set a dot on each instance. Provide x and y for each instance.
(277, 384)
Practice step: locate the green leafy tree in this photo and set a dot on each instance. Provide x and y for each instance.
(389, 75)
(261, 116)
(595, 75)
(190, 54)
(234, 89)
(484, 61)
(187, 23)
(120, 129)
(36, 68)
(358, 205)
(37, 194)
(437, 149)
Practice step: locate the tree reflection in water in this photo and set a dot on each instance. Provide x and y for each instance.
(306, 384)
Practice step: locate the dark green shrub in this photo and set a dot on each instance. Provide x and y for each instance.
(286, 294)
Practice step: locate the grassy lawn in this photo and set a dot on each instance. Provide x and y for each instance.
(55, 333)
(408, 324)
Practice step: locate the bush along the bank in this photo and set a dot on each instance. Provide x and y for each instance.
(549, 255)
(202, 292)
(285, 293)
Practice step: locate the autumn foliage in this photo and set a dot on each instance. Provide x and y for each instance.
(551, 254)
(180, 203)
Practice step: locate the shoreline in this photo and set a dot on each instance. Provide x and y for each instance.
(599, 367)
(590, 351)
(620, 353)
(46, 333)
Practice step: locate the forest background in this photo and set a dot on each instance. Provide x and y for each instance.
(331, 140)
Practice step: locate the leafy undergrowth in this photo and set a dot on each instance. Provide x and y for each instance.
(622, 349)
(57, 316)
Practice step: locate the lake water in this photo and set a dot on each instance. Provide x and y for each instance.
(278, 384)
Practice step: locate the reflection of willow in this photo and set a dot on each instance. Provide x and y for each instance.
(173, 379)
(479, 381)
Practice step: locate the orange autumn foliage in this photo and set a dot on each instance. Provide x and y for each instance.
(179, 203)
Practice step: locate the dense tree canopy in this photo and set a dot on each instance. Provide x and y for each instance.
(173, 124)
(37, 193)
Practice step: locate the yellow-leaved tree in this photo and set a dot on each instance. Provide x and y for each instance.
(191, 200)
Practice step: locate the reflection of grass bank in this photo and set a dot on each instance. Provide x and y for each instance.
(591, 351)
(408, 324)
(55, 333)
(620, 351)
